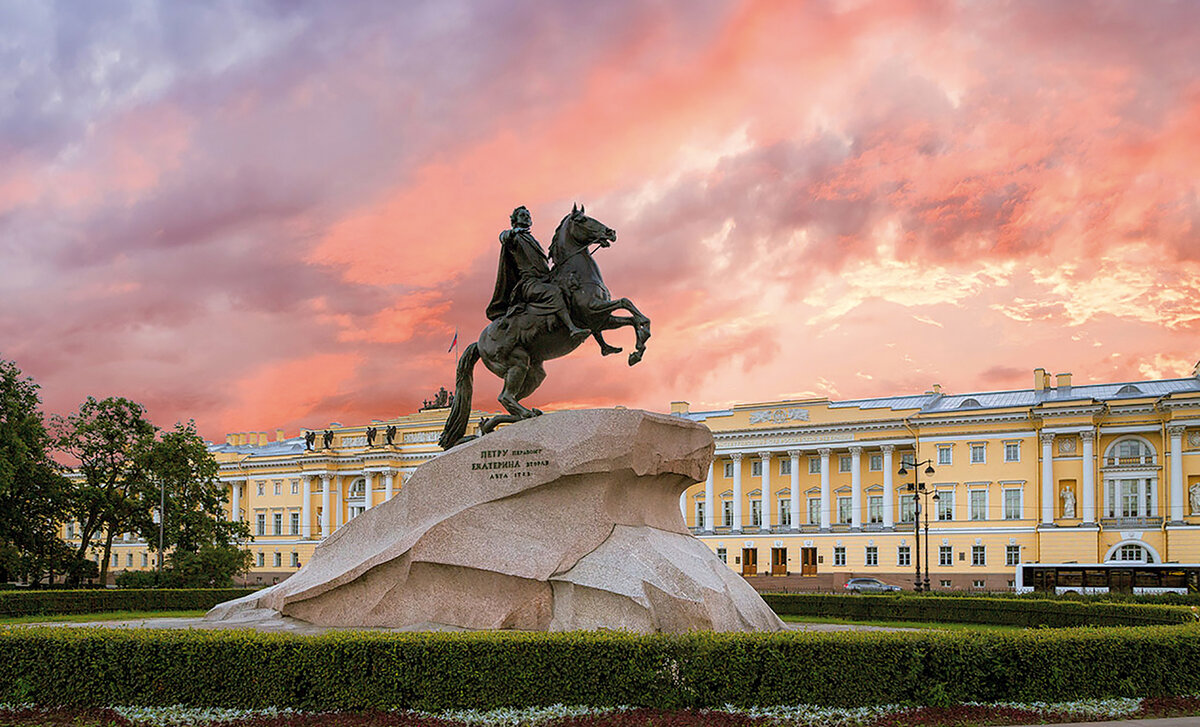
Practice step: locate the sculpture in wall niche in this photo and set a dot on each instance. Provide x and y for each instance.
(1068, 503)
(540, 312)
(1194, 496)
(372, 432)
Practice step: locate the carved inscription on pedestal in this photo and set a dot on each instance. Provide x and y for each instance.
(510, 463)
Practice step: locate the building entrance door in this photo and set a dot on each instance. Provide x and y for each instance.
(779, 561)
(808, 561)
(1120, 581)
(749, 561)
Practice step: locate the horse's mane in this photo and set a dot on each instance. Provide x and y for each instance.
(558, 243)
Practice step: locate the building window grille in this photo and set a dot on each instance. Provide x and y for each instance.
(872, 555)
(839, 556)
(945, 555)
(978, 555)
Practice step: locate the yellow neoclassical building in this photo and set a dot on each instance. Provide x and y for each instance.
(806, 494)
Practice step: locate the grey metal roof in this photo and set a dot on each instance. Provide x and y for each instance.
(885, 402)
(295, 445)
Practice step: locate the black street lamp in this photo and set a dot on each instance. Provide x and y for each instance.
(918, 489)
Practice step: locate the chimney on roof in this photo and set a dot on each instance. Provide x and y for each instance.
(278, 435)
(231, 439)
(1063, 381)
(1040, 379)
(681, 407)
(262, 439)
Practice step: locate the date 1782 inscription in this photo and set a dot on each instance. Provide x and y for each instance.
(509, 463)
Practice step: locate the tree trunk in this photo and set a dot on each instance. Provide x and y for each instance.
(108, 539)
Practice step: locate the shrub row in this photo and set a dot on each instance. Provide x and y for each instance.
(1181, 599)
(1002, 611)
(49, 603)
(436, 671)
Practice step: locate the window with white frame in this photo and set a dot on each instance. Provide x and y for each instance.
(260, 559)
(295, 559)
(908, 508)
(1132, 553)
(945, 555)
(944, 583)
(116, 560)
(903, 555)
(295, 518)
(260, 488)
(839, 556)
(727, 513)
(278, 523)
(278, 488)
(978, 555)
(843, 463)
(700, 513)
(145, 559)
(129, 560)
(945, 505)
(978, 453)
(978, 504)
(785, 513)
(1012, 504)
(756, 468)
(722, 555)
(814, 511)
(260, 522)
(875, 508)
(1012, 555)
(814, 465)
(872, 555)
(945, 454)
(277, 560)
(908, 459)
(785, 467)
(845, 508)
(1012, 451)
(729, 470)
(1128, 497)
(756, 512)
(1131, 451)
(875, 463)
(977, 583)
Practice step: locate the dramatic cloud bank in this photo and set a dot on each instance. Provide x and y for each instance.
(277, 214)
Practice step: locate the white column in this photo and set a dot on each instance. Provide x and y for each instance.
(388, 480)
(856, 487)
(1176, 434)
(235, 501)
(326, 486)
(337, 502)
(794, 455)
(306, 507)
(1048, 479)
(737, 491)
(709, 523)
(768, 498)
(1089, 478)
(825, 496)
(368, 483)
(889, 486)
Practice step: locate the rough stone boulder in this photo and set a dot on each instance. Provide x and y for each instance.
(566, 521)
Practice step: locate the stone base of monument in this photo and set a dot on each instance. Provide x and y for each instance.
(566, 521)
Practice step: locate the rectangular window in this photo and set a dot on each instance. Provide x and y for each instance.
(839, 556)
(785, 467)
(944, 454)
(700, 514)
(945, 555)
(727, 513)
(945, 505)
(843, 463)
(722, 555)
(978, 555)
(295, 487)
(908, 459)
(756, 513)
(261, 560)
(1012, 451)
(295, 559)
(814, 511)
(278, 559)
(785, 513)
(814, 465)
(145, 559)
(872, 555)
(875, 464)
(277, 521)
(978, 453)
(1012, 504)
(903, 556)
(1012, 555)
(944, 583)
(260, 524)
(875, 508)
(129, 560)
(729, 470)
(977, 584)
(908, 508)
(756, 468)
(978, 504)
(278, 488)
(845, 507)
(295, 523)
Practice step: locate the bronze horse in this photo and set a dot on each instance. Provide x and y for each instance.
(515, 345)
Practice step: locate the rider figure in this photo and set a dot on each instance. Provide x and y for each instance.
(524, 277)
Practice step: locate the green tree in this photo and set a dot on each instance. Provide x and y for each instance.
(34, 494)
(112, 441)
(203, 545)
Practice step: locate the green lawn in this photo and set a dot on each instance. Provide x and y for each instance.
(903, 624)
(105, 616)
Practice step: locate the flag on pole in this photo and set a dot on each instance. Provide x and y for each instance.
(454, 342)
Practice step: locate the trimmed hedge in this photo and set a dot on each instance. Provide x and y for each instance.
(1003, 611)
(53, 603)
(435, 671)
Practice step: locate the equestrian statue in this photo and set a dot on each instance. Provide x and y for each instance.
(544, 307)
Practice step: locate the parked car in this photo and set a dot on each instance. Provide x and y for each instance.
(869, 585)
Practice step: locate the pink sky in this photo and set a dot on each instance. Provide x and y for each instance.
(267, 216)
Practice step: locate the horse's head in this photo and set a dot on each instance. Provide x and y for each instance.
(576, 232)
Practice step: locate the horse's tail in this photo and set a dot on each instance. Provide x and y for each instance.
(460, 405)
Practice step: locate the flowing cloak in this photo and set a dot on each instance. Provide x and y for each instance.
(523, 276)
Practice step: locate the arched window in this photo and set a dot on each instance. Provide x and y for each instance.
(1131, 553)
(358, 488)
(1130, 451)
(970, 404)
